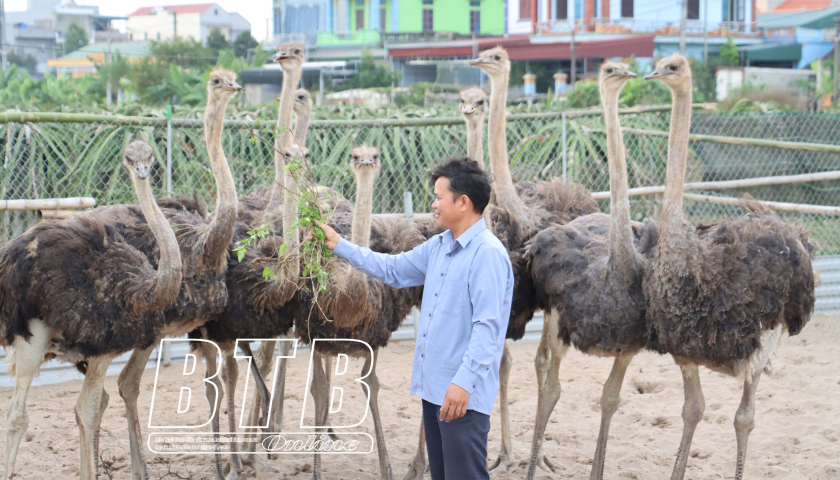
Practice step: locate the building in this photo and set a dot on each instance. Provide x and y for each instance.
(192, 21)
(84, 61)
(41, 28)
(373, 22)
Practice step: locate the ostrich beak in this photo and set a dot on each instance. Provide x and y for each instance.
(142, 171)
(279, 56)
(468, 111)
(477, 61)
(233, 86)
(657, 74)
(628, 74)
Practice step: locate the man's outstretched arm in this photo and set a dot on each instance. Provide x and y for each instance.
(407, 269)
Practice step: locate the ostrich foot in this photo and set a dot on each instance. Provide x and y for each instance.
(504, 463)
(416, 469)
(544, 463)
(259, 466)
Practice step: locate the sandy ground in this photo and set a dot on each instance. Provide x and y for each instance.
(797, 434)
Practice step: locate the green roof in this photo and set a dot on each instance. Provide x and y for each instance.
(773, 52)
(817, 20)
(126, 49)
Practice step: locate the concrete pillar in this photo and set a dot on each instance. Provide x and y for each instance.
(374, 15)
(530, 83)
(560, 83)
(328, 22)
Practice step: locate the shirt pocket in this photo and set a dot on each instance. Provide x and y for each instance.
(454, 293)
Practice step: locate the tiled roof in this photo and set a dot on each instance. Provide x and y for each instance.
(801, 6)
(180, 9)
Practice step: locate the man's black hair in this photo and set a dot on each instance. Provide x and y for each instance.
(466, 177)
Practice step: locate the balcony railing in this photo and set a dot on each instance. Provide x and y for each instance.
(359, 37)
(657, 27)
(421, 37)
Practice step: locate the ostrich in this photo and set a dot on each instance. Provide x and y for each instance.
(588, 278)
(303, 112)
(473, 104)
(517, 212)
(204, 252)
(355, 305)
(77, 290)
(720, 296)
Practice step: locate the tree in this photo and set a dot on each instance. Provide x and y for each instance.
(27, 62)
(243, 43)
(75, 39)
(216, 41)
(185, 52)
(729, 55)
(371, 75)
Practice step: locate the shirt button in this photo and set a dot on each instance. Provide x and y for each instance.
(441, 274)
(473, 386)
(424, 336)
(436, 294)
(421, 355)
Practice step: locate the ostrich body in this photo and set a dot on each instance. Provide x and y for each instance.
(355, 305)
(517, 212)
(720, 296)
(76, 290)
(588, 279)
(204, 247)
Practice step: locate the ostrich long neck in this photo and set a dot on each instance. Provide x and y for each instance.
(284, 118)
(671, 219)
(506, 196)
(302, 125)
(220, 232)
(475, 149)
(360, 229)
(167, 280)
(290, 216)
(621, 235)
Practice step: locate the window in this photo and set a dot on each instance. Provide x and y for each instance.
(428, 20)
(693, 10)
(360, 3)
(627, 8)
(475, 21)
(562, 9)
(158, 35)
(383, 21)
(475, 3)
(427, 2)
(524, 9)
(215, 11)
(360, 19)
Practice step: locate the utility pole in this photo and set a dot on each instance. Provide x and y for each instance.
(574, 60)
(836, 76)
(706, 31)
(174, 24)
(3, 35)
(108, 87)
(683, 15)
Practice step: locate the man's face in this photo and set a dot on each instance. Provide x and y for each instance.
(448, 208)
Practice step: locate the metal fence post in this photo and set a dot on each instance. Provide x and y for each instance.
(169, 150)
(408, 200)
(565, 162)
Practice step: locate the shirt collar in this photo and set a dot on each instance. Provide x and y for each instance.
(465, 237)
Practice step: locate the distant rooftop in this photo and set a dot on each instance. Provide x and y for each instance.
(180, 9)
(126, 49)
(816, 20)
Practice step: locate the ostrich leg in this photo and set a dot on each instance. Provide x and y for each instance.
(230, 372)
(549, 393)
(745, 421)
(87, 411)
(373, 383)
(103, 404)
(262, 359)
(215, 399)
(321, 397)
(506, 458)
(418, 464)
(693, 409)
(129, 388)
(28, 357)
(610, 399)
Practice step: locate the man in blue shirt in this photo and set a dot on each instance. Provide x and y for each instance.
(468, 286)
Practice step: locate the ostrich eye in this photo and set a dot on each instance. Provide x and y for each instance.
(307, 155)
(297, 51)
(673, 68)
(609, 70)
(497, 57)
(216, 81)
(376, 157)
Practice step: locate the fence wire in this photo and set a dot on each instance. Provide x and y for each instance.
(84, 158)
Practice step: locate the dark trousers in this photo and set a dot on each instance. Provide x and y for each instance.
(458, 449)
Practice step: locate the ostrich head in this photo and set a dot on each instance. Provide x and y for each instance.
(494, 62)
(290, 56)
(364, 157)
(296, 153)
(222, 84)
(303, 101)
(139, 158)
(614, 74)
(473, 100)
(673, 71)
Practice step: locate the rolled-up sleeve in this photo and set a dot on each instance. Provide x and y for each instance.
(489, 276)
(407, 269)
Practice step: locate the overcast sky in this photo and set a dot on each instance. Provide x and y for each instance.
(256, 12)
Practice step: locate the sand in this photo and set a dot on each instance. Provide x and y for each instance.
(797, 432)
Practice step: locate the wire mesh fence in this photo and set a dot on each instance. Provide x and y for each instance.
(51, 155)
